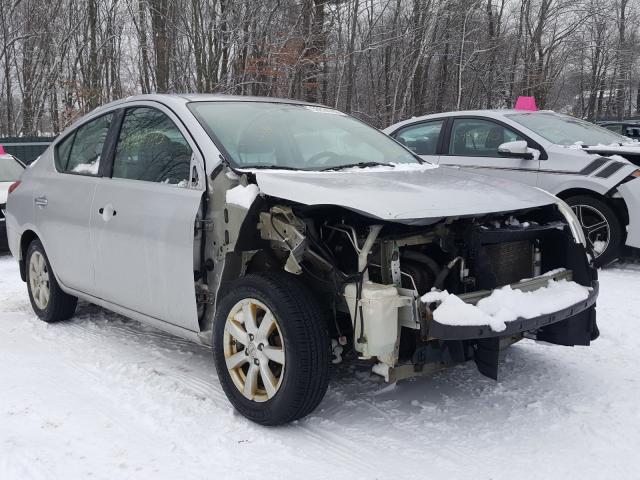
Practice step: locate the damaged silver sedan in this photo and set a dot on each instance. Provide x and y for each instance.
(289, 236)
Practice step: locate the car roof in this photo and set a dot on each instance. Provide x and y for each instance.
(200, 97)
(490, 113)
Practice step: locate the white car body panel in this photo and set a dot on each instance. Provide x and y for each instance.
(563, 169)
(630, 191)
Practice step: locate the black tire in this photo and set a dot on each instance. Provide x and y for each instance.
(616, 237)
(60, 305)
(306, 344)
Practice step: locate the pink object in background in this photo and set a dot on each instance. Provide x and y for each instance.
(526, 103)
(2, 152)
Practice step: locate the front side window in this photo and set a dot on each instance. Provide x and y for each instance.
(306, 137)
(10, 169)
(474, 137)
(566, 130)
(80, 152)
(151, 148)
(422, 138)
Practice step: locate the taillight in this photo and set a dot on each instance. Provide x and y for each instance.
(14, 185)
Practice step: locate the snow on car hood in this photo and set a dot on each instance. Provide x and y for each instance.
(417, 196)
(630, 147)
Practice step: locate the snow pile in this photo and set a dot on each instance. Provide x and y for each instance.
(242, 196)
(103, 397)
(534, 152)
(506, 304)
(180, 184)
(514, 222)
(599, 246)
(90, 168)
(612, 146)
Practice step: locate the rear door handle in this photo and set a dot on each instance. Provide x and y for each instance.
(41, 201)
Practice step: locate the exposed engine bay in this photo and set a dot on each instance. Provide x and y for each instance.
(370, 275)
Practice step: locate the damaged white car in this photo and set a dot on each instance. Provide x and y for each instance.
(289, 236)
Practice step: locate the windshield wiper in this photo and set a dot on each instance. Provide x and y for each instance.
(358, 165)
(268, 167)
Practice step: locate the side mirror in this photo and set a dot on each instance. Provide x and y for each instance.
(516, 149)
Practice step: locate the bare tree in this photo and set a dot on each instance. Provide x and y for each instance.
(382, 60)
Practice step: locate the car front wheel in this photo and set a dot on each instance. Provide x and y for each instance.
(601, 227)
(48, 300)
(271, 348)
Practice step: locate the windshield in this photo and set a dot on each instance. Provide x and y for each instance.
(10, 169)
(566, 130)
(278, 135)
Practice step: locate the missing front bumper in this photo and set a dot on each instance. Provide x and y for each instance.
(465, 332)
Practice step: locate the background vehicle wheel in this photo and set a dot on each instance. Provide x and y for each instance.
(601, 227)
(49, 302)
(271, 348)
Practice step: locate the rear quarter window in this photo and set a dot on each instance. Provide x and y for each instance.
(81, 150)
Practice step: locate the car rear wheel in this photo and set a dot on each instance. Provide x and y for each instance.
(271, 348)
(48, 300)
(601, 227)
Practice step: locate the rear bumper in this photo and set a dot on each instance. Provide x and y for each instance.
(573, 313)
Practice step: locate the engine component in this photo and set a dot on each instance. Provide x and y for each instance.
(378, 306)
(286, 231)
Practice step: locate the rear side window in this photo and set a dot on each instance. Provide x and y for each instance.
(80, 152)
(422, 138)
(151, 148)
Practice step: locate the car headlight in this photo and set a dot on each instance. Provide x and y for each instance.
(572, 220)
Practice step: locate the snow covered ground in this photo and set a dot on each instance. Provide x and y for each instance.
(101, 396)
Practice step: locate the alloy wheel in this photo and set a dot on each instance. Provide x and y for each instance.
(595, 226)
(254, 350)
(39, 280)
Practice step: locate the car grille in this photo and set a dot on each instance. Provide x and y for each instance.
(509, 262)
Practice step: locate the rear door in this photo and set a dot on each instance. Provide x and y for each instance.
(142, 223)
(63, 200)
(472, 142)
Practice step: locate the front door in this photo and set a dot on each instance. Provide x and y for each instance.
(473, 143)
(142, 223)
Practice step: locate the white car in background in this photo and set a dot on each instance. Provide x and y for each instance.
(587, 166)
(10, 170)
